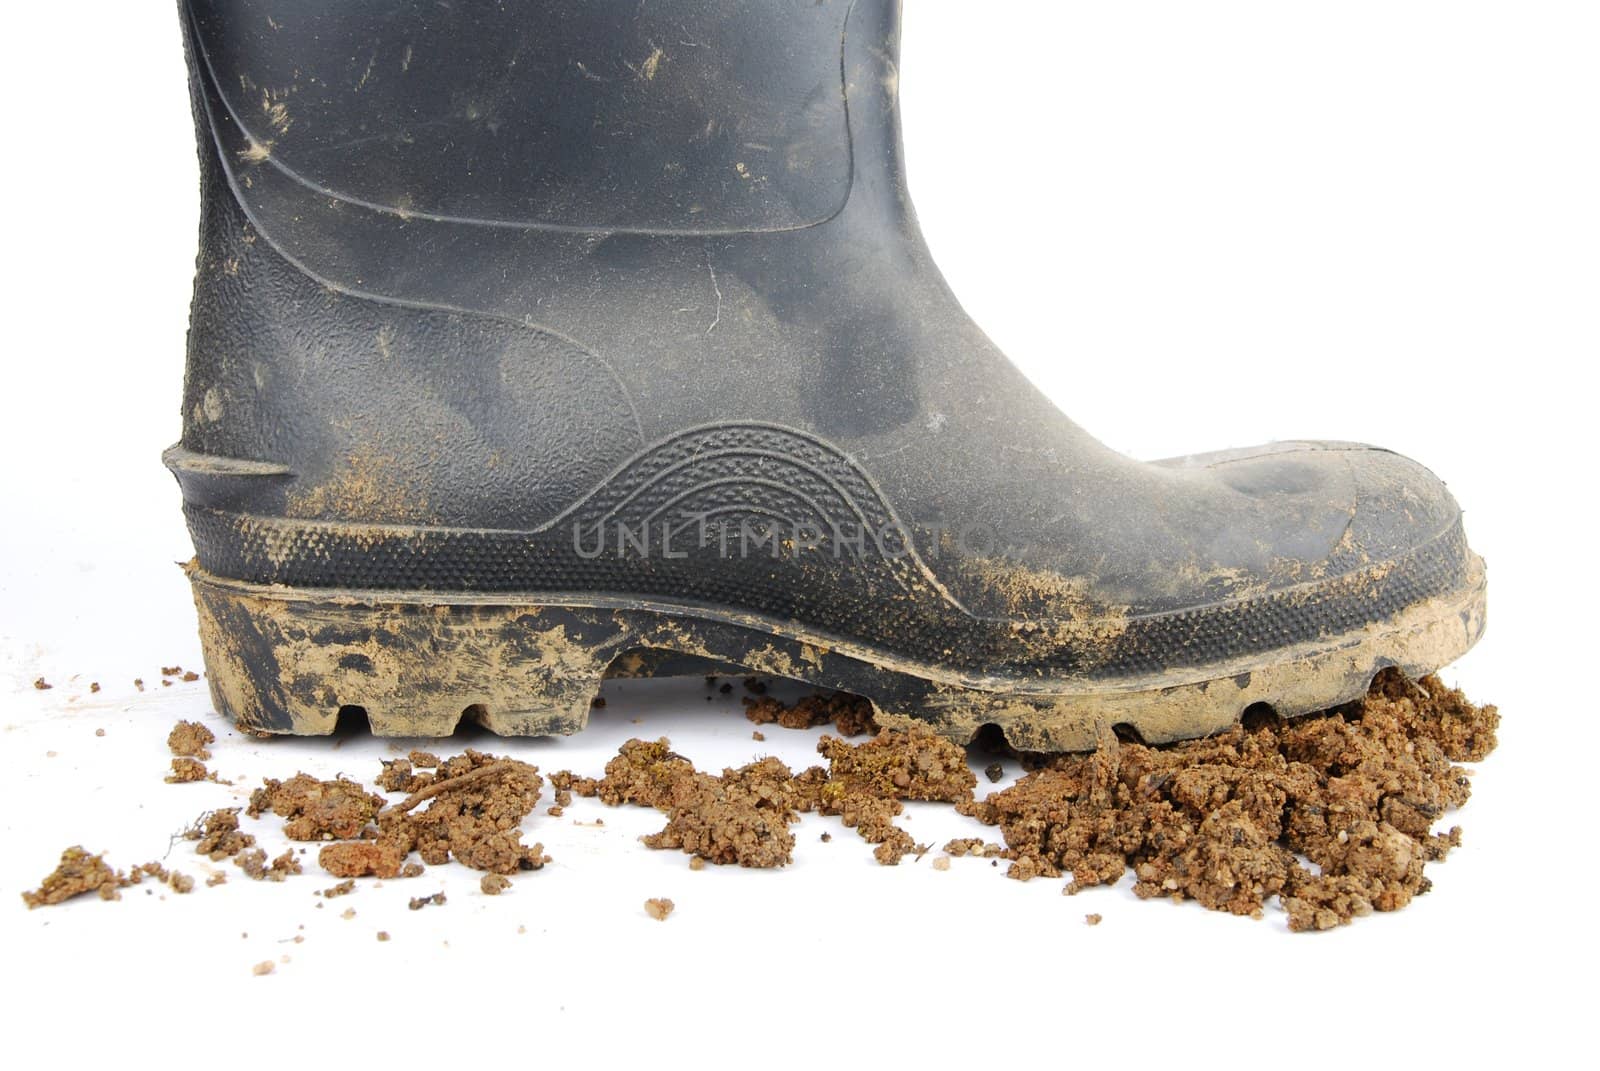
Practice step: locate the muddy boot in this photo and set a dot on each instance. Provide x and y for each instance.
(543, 341)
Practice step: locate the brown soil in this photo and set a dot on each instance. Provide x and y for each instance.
(851, 715)
(255, 866)
(865, 784)
(362, 858)
(741, 817)
(316, 810)
(476, 804)
(1331, 814)
(659, 908)
(186, 771)
(78, 873)
(1224, 821)
(217, 835)
(190, 739)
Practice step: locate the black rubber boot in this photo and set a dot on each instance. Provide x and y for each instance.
(536, 342)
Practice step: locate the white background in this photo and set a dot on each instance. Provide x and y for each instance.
(1197, 225)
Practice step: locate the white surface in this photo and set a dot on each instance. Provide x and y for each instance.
(1197, 226)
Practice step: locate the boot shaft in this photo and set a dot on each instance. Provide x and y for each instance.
(683, 117)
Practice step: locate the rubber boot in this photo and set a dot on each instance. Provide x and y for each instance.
(538, 342)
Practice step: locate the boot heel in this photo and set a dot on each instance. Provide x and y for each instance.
(282, 661)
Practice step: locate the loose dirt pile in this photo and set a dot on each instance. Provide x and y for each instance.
(1226, 821)
(1332, 814)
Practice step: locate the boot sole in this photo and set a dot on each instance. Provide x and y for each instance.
(288, 660)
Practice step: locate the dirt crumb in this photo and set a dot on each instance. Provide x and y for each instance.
(187, 771)
(191, 739)
(178, 883)
(419, 902)
(360, 859)
(42, 685)
(266, 966)
(975, 846)
(255, 866)
(1091, 920)
(494, 884)
(659, 908)
(217, 834)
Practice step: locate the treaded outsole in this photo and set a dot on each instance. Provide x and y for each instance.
(287, 660)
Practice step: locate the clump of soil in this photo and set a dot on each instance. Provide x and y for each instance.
(914, 765)
(78, 872)
(1222, 820)
(42, 685)
(190, 739)
(402, 775)
(419, 902)
(476, 804)
(865, 784)
(494, 884)
(255, 866)
(741, 817)
(316, 810)
(975, 846)
(363, 858)
(643, 773)
(217, 834)
(850, 714)
(659, 907)
(187, 771)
